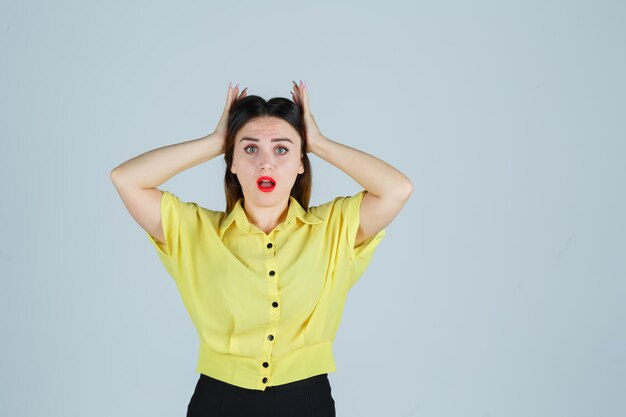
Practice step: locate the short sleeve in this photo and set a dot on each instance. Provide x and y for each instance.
(360, 256)
(172, 213)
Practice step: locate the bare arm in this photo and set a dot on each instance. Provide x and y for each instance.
(153, 168)
(388, 189)
(136, 179)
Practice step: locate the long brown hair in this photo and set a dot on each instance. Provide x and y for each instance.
(243, 111)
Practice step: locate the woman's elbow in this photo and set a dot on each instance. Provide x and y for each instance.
(406, 189)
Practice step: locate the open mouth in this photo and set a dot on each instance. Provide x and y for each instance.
(266, 184)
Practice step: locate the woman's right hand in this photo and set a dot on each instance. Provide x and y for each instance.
(232, 96)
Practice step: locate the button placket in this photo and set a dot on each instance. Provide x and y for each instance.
(274, 315)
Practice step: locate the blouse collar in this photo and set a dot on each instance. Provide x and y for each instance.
(238, 216)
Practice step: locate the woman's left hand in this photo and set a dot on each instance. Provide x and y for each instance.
(301, 98)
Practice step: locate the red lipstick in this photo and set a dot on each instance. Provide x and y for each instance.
(266, 184)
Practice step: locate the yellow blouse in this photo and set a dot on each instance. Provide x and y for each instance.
(266, 307)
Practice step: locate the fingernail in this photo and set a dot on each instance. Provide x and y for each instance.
(229, 84)
(237, 85)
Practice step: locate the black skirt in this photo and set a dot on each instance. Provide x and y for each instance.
(310, 397)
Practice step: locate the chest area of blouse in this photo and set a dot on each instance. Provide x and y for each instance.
(303, 250)
(295, 268)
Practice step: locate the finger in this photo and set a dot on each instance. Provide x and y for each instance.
(300, 93)
(305, 99)
(297, 88)
(229, 95)
(244, 93)
(293, 96)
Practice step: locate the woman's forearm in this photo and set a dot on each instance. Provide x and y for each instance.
(375, 175)
(154, 167)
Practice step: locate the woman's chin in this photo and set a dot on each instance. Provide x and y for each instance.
(272, 197)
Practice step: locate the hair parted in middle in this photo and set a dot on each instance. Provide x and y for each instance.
(245, 110)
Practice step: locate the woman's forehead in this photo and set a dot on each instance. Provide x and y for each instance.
(267, 128)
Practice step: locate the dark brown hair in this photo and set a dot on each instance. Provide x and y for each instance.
(245, 110)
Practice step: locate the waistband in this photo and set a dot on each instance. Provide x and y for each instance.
(248, 372)
(276, 388)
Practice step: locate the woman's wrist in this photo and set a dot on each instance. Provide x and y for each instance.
(315, 143)
(215, 144)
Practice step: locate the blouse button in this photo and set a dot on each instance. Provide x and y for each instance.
(270, 337)
(275, 304)
(265, 364)
(272, 273)
(269, 246)
(265, 380)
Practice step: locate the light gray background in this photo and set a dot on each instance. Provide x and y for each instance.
(499, 289)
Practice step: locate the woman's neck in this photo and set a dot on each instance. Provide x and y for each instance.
(266, 218)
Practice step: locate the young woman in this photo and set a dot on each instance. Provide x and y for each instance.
(264, 282)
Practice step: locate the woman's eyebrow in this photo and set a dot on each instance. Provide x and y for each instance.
(273, 140)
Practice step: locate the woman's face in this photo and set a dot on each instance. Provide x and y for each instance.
(267, 147)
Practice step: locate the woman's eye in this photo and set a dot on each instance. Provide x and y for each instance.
(281, 151)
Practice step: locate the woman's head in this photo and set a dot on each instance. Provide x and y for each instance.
(266, 138)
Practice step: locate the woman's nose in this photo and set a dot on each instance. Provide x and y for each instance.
(267, 161)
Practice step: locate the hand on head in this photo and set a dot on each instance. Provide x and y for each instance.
(301, 98)
(232, 96)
